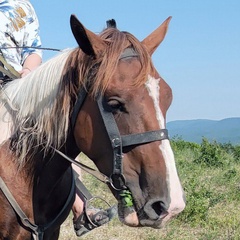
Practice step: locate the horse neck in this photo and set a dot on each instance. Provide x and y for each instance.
(52, 183)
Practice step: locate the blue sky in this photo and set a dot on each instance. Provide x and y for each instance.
(199, 58)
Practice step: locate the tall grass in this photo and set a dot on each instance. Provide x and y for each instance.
(210, 175)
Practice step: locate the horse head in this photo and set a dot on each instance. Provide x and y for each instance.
(138, 98)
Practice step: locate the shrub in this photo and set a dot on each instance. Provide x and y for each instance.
(236, 153)
(211, 154)
(198, 202)
(178, 144)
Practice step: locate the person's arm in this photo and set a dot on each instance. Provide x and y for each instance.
(31, 57)
(7, 46)
(30, 63)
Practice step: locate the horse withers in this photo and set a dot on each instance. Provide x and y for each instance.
(105, 99)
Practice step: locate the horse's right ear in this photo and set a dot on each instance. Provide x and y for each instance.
(152, 41)
(90, 43)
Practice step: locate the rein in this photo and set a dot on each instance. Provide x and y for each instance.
(8, 70)
(37, 230)
(28, 47)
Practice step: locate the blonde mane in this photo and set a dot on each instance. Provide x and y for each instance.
(41, 103)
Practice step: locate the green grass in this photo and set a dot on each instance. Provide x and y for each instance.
(210, 175)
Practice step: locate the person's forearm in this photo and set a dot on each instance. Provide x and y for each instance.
(31, 62)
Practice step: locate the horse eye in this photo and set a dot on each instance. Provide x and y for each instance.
(115, 105)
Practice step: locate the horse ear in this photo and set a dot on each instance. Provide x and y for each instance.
(152, 41)
(89, 42)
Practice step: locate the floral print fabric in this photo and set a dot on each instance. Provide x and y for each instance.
(19, 31)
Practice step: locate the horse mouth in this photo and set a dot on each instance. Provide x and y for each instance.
(130, 217)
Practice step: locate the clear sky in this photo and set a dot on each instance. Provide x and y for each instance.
(199, 58)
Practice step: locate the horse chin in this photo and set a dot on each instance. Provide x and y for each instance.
(153, 223)
(128, 215)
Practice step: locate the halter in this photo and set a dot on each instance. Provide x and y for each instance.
(117, 140)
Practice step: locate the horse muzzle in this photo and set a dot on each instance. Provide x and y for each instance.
(155, 213)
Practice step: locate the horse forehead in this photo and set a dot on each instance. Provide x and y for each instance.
(153, 86)
(128, 67)
(160, 91)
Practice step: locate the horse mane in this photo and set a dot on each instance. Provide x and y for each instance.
(111, 23)
(42, 101)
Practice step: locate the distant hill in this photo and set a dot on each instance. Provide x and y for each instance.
(222, 131)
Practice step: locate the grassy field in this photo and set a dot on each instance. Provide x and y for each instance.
(210, 174)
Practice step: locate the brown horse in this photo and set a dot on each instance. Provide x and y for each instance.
(105, 99)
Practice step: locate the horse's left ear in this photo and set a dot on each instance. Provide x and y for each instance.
(152, 41)
(90, 43)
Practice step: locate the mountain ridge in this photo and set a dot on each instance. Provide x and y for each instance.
(223, 131)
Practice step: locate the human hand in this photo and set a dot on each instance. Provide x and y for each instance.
(24, 72)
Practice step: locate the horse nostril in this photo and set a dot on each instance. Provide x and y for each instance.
(155, 209)
(158, 207)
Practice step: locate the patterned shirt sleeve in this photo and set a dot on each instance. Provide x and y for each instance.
(19, 30)
(31, 36)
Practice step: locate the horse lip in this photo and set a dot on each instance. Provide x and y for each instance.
(128, 215)
(159, 223)
(163, 215)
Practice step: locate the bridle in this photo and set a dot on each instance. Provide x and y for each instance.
(118, 141)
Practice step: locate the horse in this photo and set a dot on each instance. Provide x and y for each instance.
(103, 98)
